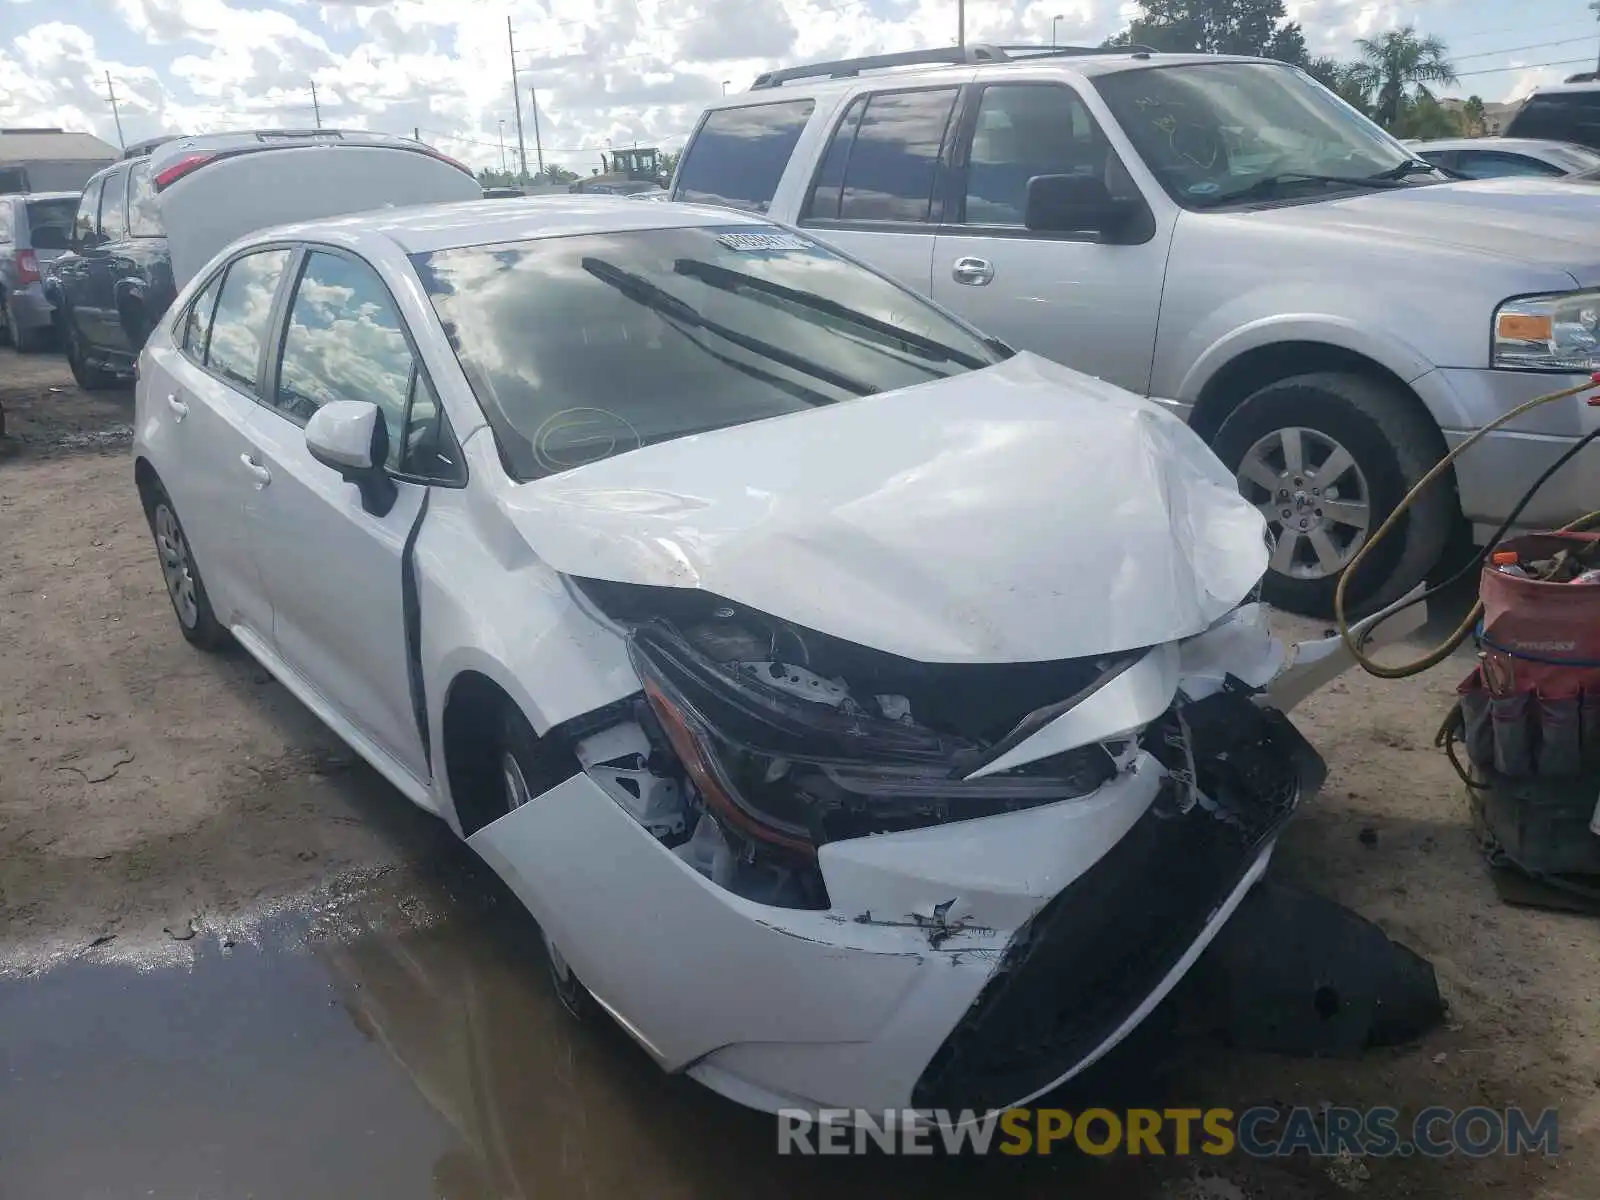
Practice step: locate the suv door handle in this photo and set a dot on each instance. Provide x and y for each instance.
(179, 408)
(976, 271)
(261, 474)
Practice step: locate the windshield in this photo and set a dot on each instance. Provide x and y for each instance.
(1212, 132)
(579, 348)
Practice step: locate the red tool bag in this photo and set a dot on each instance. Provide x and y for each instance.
(1532, 707)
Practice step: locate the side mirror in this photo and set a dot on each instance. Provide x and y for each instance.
(1079, 204)
(351, 437)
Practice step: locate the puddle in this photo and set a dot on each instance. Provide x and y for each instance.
(386, 1056)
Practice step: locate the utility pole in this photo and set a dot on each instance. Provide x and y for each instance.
(111, 95)
(516, 94)
(961, 22)
(538, 142)
(503, 170)
(416, 133)
(1054, 21)
(1594, 7)
(316, 108)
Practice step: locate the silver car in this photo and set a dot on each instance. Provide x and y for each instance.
(35, 227)
(1498, 157)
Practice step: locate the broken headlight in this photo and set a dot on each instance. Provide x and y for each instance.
(795, 774)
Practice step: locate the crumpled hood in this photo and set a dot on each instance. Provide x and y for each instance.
(1541, 221)
(1020, 513)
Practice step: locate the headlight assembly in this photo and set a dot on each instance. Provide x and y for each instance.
(1548, 333)
(795, 775)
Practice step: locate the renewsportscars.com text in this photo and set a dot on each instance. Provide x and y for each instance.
(1436, 1132)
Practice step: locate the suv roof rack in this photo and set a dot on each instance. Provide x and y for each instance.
(847, 68)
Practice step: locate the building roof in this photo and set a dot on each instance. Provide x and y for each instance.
(36, 145)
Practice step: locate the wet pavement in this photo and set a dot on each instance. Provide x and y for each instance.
(401, 1042)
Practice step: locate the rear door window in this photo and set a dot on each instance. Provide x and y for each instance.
(244, 310)
(144, 219)
(114, 207)
(740, 154)
(86, 223)
(344, 341)
(890, 157)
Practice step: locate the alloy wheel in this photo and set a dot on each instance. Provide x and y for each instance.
(1314, 497)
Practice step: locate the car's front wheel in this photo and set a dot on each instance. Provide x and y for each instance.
(26, 338)
(187, 591)
(523, 774)
(1326, 458)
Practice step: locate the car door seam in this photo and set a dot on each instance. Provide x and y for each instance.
(411, 613)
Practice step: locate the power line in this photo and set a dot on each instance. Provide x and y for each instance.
(1563, 62)
(1514, 49)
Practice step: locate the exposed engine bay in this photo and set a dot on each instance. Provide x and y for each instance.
(756, 741)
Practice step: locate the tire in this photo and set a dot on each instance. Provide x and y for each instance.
(1388, 445)
(26, 338)
(185, 588)
(523, 772)
(89, 378)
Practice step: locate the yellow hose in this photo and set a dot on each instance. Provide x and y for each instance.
(1448, 647)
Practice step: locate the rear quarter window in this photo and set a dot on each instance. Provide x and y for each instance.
(5, 221)
(740, 154)
(144, 219)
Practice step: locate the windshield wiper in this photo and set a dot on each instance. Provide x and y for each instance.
(1411, 166)
(730, 280)
(640, 290)
(1268, 185)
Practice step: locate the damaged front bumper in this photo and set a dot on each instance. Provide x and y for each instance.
(972, 964)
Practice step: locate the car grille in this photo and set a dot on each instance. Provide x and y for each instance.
(1092, 955)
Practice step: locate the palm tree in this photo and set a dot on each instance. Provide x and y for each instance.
(1397, 65)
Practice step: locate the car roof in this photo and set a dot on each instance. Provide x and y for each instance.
(1090, 64)
(1549, 89)
(30, 197)
(426, 228)
(1511, 144)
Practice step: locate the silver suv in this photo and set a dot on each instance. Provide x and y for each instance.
(1224, 236)
(34, 228)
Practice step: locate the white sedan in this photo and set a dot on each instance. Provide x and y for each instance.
(869, 716)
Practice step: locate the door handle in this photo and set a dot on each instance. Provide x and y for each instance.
(261, 474)
(179, 409)
(975, 271)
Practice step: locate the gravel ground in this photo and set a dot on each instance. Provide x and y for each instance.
(144, 786)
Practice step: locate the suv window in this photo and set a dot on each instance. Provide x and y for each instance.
(144, 219)
(740, 154)
(889, 153)
(244, 308)
(1478, 164)
(114, 207)
(5, 220)
(1559, 116)
(1025, 130)
(86, 222)
(197, 321)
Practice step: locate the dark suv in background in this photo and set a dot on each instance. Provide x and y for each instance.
(115, 282)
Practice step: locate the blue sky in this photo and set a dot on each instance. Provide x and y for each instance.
(623, 70)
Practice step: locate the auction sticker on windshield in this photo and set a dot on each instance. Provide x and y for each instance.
(746, 242)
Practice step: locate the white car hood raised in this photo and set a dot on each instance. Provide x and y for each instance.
(1020, 513)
